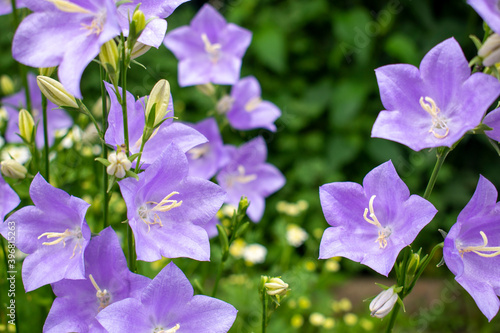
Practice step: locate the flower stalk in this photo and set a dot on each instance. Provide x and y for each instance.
(45, 138)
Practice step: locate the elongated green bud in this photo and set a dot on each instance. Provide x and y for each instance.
(46, 71)
(109, 56)
(26, 126)
(7, 85)
(139, 49)
(140, 20)
(55, 92)
(159, 99)
(276, 286)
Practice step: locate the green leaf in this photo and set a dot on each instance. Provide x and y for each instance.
(130, 173)
(103, 161)
(224, 242)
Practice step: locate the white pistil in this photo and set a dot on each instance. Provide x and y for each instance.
(165, 205)
(241, 177)
(102, 295)
(253, 103)
(437, 122)
(213, 50)
(62, 237)
(383, 233)
(481, 248)
(69, 7)
(170, 330)
(198, 152)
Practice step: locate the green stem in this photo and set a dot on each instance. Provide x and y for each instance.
(138, 164)
(131, 250)
(104, 124)
(15, 14)
(46, 139)
(123, 72)
(392, 320)
(424, 265)
(86, 111)
(217, 279)
(442, 152)
(264, 310)
(6, 272)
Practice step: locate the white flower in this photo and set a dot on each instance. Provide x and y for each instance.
(295, 235)
(383, 303)
(119, 166)
(255, 253)
(20, 154)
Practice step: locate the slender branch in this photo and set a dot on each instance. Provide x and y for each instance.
(217, 279)
(392, 320)
(46, 139)
(264, 310)
(131, 250)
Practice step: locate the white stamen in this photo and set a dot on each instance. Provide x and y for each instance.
(165, 205)
(383, 233)
(103, 296)
(69, 7)
(481, 248)
(63, 237)
(198, 152)
(213, 50)
(253, 103)
(437, 122)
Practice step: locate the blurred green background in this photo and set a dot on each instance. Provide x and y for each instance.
(315, 60)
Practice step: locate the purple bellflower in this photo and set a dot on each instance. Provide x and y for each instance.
(65, 33)
(155, 11)
(57, 119)
(489, 12)
(370, 224)
(166, 209)
(248, 174)
(435, 105)
(209, 49)
(206, 159)
(6, 6)
(53, 233)
(184, 136)
(8, 199)
(167, 305)
(492, 120)
(245, 108)
(108, 281)
(472, 248)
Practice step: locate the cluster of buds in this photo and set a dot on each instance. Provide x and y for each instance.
(274, 287)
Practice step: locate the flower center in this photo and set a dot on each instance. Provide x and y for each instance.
(63, 237)
(165, 205)
(439, 127)
(213, 50)
(240, 177)
(198, 152)
(253, 103)
(170, 330)
(383, 233)
(97, 24)
(481, 248)
(102, 295)
(224, 104)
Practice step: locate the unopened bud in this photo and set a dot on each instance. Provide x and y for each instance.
(139, 49)
(13, 169)
(46, 71)
(490, 51)
(414, 263)
(7, 85)
(159, 97)
(383, 303)
(119, 164)
(225, 104)
(206, 89)
(109, 57)
(26, 125)
(276, 286)
(55, 92)
(140, 20)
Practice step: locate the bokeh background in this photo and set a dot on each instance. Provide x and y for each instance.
(315, 60)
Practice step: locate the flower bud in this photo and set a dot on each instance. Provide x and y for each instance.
(206, 89)
(276, 286)
(383, 303)
(46, 71)
(119, 164)
(26, 125)
(159, 97)
(55, 92)
(139, 49)
(224, 104)
(7, 85)
(490, 50)
(13, 169)
(139, 20)
(109, 56)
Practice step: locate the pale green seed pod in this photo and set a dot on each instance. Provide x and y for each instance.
(55, 92)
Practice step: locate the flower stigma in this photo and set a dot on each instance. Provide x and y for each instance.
(103, 296)
(481, 248)
(240, 177)
(253, 103)
(63, 237)
(69, 7)
(198, 152)
(213, 50)
(170, 330)
(438, 123)
(165, 205)
(383, 233)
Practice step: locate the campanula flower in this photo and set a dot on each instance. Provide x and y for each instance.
(492, 120)
(108, 280)
(53, 233)
(8, 199)
(184, 136)
(489, 11)
(57, 119)
(166, 209)
(436, 104)
(372, 223)
(472, 248)
(167, 304)
(206, 159)
(65, 33)
(209, 49)
(247, 174)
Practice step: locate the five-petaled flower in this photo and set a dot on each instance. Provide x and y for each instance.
(167, 305)
(370, 224)
(209, 50)
(167, 209)
(435, 105)
(472, 248)
(53, 233)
